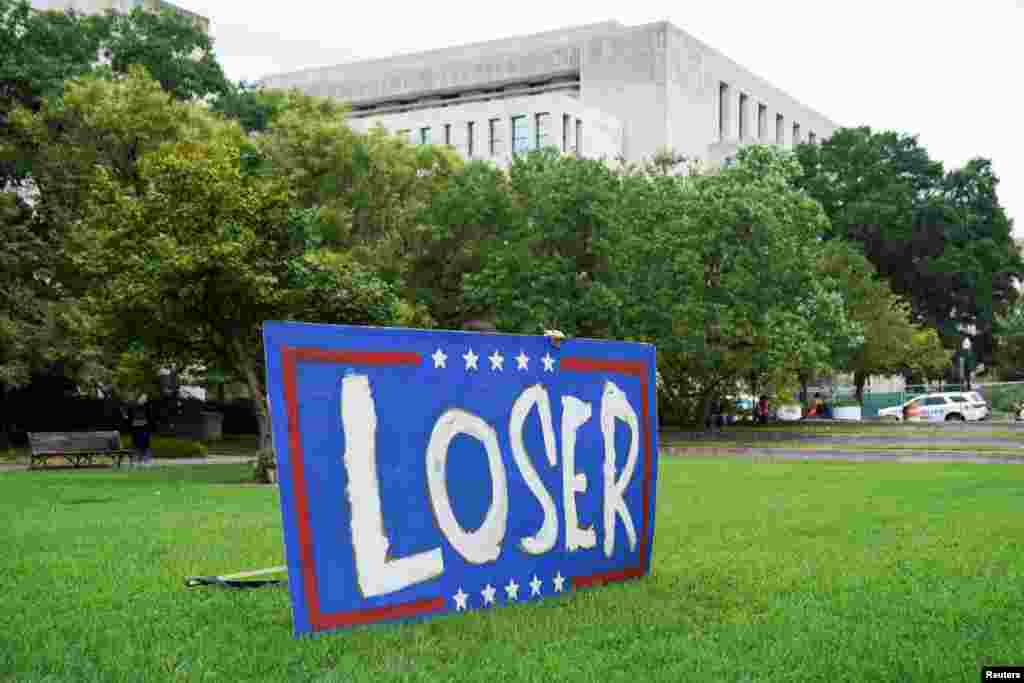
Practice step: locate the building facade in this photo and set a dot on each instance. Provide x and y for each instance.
(602, 90)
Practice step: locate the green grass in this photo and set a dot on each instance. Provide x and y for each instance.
(936, 446)
(886, 428)
(768, 572)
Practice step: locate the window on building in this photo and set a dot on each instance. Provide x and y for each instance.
(424, 136)
(812, 138)
(723, 110)
(780, 129)
(542, 130)
(448, 134)
(520, 135)
(796, 134)
(579, 138)
(744, 128)
(469, 139)
(762, 122)
(566, 132)
(495, 131)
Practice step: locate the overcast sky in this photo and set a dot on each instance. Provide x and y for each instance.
(950, 71)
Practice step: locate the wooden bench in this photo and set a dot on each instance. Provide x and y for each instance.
(77, 448)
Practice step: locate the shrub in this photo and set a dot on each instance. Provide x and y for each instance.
(1003, 398)
(170, 447)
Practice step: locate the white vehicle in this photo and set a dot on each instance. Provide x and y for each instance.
(789, 413)
(953, 406)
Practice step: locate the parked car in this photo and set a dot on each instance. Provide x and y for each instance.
(947, 406)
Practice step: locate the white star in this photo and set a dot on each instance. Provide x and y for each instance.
(488, 593)
(535, 585)
(471, 360)
(497, 361)
(460, 600)
(559, 581)
(522, 360)
(512, 590)
(549, 363)
(439, 357)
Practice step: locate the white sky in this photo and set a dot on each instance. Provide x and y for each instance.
(950, 71)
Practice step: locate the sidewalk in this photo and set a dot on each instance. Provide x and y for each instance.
(161, 462)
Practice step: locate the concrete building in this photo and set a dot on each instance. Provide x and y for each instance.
(99, 6)
(603, 90)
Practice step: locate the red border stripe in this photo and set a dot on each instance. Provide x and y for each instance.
(290, 356)
(357, 357)
(607, 577)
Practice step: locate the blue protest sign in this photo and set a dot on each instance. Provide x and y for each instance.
(425, 472)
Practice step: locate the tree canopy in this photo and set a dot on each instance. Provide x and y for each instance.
(941, 239)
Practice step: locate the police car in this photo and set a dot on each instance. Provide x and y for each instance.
(948, 406)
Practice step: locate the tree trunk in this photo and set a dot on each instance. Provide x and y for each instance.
(265, 470)
(859, 380)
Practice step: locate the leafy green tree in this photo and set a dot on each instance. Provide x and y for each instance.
(717, 269)
(368, 187)
(548, 267)
(253, 107)
(941, 239)
(40, 51)
(207, 253)
(173, 47)
(1010, 342)
(98, 122)
(724, 280)
(447, 244)
(43, 50)
(892, 342)
(22, 306)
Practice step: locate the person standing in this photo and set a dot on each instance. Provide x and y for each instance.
(762, 410)
(142, 429)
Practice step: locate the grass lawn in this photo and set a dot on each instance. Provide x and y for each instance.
(762, 571)
(1011, 450)
(997, 430)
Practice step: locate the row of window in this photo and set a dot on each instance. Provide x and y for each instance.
(520, 132)
(743, 125)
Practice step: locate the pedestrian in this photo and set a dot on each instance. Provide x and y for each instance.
(762, 410)
(142, 428)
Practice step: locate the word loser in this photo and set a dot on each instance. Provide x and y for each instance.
(379, 575)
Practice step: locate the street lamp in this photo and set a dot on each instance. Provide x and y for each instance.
(966, 346)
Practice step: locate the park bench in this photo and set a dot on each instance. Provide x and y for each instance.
(77, 448)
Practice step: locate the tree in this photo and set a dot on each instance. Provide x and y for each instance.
(1009, 332)
(208, 253)
(724, 279)
(941, 239)
(892, 342)
(548, 267)
(447, 244)
(43, 50)
(22, 307)
(172, 45)
(369, 186)
(253, 107)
